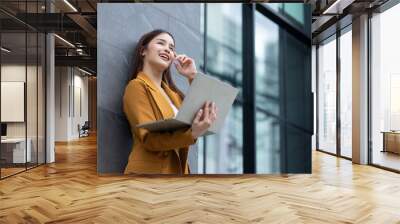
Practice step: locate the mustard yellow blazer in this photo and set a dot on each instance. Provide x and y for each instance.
(154, 152)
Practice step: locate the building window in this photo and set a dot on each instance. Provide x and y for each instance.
(224, 60)
(273, 90)
(268, 99)
(385, 89)
(346, 93)
(327, 96)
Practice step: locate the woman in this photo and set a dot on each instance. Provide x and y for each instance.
(152, 95)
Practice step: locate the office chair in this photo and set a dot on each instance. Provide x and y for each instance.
(84, 130)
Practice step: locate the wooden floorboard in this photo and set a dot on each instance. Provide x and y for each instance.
(70, 191)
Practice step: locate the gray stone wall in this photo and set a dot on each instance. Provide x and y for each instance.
(120, 25)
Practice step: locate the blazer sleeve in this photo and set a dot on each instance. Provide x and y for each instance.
(138, 110)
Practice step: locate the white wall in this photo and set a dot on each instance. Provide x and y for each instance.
(79, 117)
(34, 125)
(12, 73)
(61, 103)
(71, 93)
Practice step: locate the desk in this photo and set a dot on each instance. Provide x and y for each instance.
(13, 150)
(391, 141)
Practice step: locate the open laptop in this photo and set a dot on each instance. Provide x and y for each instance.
(203, 88)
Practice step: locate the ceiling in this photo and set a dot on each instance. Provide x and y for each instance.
(74, 21)
(331, 15)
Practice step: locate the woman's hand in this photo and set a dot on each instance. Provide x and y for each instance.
(185, 66)
(205, 117)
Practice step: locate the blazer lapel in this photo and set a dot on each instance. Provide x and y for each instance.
(162, 103)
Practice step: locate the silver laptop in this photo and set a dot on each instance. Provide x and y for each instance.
(203, 88)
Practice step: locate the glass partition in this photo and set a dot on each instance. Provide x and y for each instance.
(14, 153)
(22, 87)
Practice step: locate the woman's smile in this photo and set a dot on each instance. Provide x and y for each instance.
(165, 57)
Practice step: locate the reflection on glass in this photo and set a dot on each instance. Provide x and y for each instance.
(267, 74)
(267, 95)
(224, 150)
(274, 6)
(385, 88)
(224, 60)
(346, 94)
(268, 143)
(14, 151)
(327, 96)
(293, 12)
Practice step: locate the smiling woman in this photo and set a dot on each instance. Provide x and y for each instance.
(152, 95)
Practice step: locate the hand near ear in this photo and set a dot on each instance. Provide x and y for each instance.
(185, 66)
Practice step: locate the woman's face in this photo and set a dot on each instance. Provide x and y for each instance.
(160, 51)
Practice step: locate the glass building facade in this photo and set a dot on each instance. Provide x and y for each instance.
(265, 51)
(224, 151)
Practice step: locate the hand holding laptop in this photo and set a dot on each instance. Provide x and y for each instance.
(203, 90)
(205, 117)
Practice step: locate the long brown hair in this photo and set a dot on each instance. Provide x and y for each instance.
(138, 59)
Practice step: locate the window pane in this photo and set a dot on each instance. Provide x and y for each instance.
(268, 128)
(327, 97)
(295, 12)
(224, 60)
(346, 94)
(274, 6)
(385, 89)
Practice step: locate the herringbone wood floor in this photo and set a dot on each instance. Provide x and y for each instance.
(70, 191)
